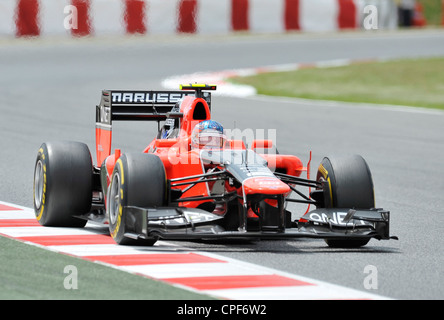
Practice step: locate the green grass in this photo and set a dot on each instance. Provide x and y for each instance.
(432, 11)
(32, 273)
(418, 83)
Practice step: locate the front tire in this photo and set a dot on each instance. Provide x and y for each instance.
(62, 184)
(350, 185)
(138, 180)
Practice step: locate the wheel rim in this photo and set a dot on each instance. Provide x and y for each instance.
(38, 184)
(114, 199)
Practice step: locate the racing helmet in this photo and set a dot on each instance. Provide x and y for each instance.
(208, 134)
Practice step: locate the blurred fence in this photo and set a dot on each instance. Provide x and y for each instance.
(110, 17)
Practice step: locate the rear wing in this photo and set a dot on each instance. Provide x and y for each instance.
(139, 105)
(128, 105)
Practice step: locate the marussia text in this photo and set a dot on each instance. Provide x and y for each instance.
(147, 97)
(226, 309)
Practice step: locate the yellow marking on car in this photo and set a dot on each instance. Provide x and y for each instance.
(119, 162)
(324, 173)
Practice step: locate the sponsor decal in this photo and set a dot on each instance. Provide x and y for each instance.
(336, 218)
(138, 97)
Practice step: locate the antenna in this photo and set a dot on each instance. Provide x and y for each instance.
(198, 88)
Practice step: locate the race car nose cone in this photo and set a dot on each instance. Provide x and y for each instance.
(265, 185)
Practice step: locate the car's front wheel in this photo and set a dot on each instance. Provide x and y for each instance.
(138, 180)
(350, 185)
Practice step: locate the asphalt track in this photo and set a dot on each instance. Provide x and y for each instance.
(49, 89)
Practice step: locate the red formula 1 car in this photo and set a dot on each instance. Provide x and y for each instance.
(192, 182)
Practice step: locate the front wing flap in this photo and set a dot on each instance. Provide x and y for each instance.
(169, 222)
(346, 223)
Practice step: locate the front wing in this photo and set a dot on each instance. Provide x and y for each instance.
(178, 223)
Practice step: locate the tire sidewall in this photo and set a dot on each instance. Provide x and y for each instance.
(42, 209)
(117, 227)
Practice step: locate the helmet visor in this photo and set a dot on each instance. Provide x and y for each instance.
(211, 140)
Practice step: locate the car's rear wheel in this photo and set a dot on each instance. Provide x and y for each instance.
(350, 185)
(137, 180)
(62, 184)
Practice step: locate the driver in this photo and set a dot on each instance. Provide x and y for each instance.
(208, 134)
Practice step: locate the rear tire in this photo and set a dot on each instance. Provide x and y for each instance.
(138, 180)
(62, 184)
(350, 186)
